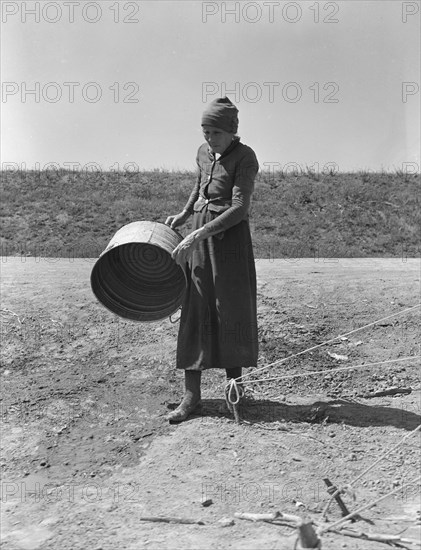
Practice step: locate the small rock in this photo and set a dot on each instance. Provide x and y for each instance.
(226, 522)
(331, 434)
(337, 356)
(207, 502)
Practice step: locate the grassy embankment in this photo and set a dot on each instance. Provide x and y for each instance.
(63, 214)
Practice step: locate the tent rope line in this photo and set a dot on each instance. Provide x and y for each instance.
(338, 369)
(233, 386)
(367, 506)
(384, 455)
(279, 361)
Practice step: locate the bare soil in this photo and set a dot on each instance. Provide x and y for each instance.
(87, 452)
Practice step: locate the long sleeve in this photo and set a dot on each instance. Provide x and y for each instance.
(241, 196)
(194, 195)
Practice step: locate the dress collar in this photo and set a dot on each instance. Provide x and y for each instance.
(231, 146)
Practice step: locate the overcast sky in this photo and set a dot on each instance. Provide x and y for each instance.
(125, 83)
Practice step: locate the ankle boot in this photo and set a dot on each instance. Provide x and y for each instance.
(192, 398)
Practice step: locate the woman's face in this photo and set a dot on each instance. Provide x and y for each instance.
(218, 140)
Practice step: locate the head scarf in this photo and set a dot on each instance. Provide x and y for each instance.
(222, 114)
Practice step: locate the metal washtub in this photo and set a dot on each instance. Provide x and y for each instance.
(135, 277)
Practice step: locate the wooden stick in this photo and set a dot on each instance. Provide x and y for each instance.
(334, 490)
(362, 474)
(376, 536)
(388, 391)
(269, 517)
(306, 533)
(367, 506)
(171, 520)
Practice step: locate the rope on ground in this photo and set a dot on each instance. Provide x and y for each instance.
(328, 371)
(384, 455)
(338, 491)
(279, 361)
(232, 388)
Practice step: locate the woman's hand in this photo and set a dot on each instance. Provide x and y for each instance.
(183, 251)
(177, 220)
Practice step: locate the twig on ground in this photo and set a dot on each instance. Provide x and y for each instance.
(271, 517)
(171, 520)
(394, 390)
(388, 539)
(306, 534)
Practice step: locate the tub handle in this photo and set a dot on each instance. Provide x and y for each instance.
(171, 316)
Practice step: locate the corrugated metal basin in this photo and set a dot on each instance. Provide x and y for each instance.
(135, 277)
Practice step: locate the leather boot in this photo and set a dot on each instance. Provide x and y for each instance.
(192, 398)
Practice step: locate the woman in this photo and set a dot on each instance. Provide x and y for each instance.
(218, 323)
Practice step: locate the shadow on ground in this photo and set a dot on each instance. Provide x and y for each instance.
(336, 411)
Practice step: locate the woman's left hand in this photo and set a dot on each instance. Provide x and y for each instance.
(183, 251)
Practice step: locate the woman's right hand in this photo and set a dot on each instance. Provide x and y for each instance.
(178, 219)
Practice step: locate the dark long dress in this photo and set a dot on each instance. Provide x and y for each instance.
(218, 324)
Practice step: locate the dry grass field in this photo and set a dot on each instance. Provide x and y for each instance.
(358, 215)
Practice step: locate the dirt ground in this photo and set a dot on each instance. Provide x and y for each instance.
(86, 450)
